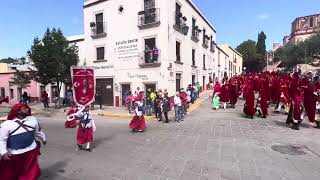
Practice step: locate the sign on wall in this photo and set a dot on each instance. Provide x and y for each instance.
(127, 50)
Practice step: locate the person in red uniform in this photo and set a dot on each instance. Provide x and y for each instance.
(248, 95)
(297, 109)
(71, 123)
(233, 92)
(19, 148)
(264, 98)
(138, 122)
(284, 97)
(310, 100)
(224, 95)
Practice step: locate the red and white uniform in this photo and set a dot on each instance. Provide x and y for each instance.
(16, 140)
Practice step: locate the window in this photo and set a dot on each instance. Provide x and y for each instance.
(193, 57)
(204, 61)
(150, 52)
(193, 80)
(204, 36)
(149, 4)
(193, 27)
(178, 58)
(211, 42)
(178, 14)
(311, 22)
(100, 53)
(11, 94)
(203, 83)
(178, 82)
(99, 23)
(218, 58)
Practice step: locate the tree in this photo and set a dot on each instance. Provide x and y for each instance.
(21, 79)
(303, 52)
(261, 51)
(52, 57)
(8, 60)
(248, 51)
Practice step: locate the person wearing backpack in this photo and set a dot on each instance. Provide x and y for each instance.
(19, 145)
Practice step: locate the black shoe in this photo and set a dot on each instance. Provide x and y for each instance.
(295, 126)
(89, 149)
(318, 125)
(263, 116)
(80, 147)
(288, 121)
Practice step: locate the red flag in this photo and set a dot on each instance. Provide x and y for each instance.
(83, 85)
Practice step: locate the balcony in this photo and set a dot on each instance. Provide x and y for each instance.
(205, 43)
(180, 24)
(150, 58)
(98, 30)
(195, 35)
(213, 47)
(149, 18)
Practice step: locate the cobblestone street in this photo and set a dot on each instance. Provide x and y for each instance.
(209, 145)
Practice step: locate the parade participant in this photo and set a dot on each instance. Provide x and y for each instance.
(297, 109)
(263, 98)
(224, 94)
(284, 97)
(310, 100)
(248, 95)
(138, 122)
(19, 148)
(216, 95)
(184, 99)
(86, 127)
(71, 123)
(233, 92)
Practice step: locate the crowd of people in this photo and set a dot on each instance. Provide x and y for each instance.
(295, 94)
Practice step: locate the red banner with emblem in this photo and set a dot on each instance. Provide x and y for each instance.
(83, 83)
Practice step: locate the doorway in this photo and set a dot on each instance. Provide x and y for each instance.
(105, 86)
(178, 82)
(193, 79)
(124, 89)
(3, 93)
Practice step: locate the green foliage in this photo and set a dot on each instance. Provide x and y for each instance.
(21, 79)
(303, 52)
(261, 51)
(8, 60)
(248, 51)
(53, 56)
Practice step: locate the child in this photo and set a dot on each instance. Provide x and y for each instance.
(216, 100)
(71, 123)
(86, 128)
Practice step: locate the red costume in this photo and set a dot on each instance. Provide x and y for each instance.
(73, 122)
(263, 97)
(224, 95)
(233, 92)
(248, 94)
(310, 100)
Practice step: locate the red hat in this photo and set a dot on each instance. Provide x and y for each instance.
(16, 108)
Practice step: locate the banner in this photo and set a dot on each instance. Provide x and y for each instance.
(83, 83)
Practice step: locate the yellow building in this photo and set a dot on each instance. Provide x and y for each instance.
(234, 66)
(4, 67)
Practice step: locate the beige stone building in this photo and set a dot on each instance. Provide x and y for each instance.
(303, 28)
(234, 64)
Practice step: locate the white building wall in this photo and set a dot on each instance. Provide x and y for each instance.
(123, 26)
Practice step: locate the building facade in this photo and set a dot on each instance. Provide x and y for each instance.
(150, 44)
(8, 89)
(235, 60)
(303, 28)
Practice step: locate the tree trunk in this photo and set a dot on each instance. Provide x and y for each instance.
(59, 89)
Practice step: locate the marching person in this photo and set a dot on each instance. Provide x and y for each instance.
(19, 148)
(71, 123)
(138, 122)
(86, 127)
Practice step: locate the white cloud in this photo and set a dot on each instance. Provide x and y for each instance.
(264, 16)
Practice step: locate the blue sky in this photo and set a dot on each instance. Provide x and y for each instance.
(234, 20)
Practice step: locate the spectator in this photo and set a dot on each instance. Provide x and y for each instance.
(166, 107)
(45, 99)
(178, 107)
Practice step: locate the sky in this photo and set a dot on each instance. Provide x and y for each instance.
(234, 20)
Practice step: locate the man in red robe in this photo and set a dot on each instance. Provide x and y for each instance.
(233, 92)
(224, 95)
(310, 100)
(248, 95)
(263, 98)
